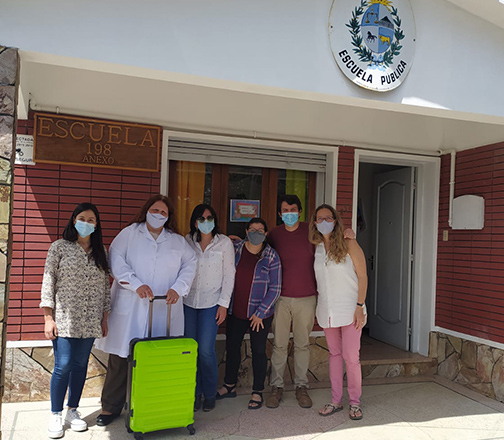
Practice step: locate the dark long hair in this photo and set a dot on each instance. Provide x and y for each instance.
(141, 216)
(97, 249)
(197, 213)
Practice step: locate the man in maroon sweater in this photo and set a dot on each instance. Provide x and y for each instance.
(297, 301)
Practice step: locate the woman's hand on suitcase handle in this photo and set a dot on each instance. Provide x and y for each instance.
(220, 317)
(171, 297)
(144, 291)
(256, 322)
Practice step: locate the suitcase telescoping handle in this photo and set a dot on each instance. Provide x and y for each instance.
(168, 318)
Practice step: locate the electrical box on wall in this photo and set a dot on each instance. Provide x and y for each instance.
(468, 212)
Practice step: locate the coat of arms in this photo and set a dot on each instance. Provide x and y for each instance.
(379, 54)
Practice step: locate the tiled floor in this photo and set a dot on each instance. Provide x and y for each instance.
(416, 411)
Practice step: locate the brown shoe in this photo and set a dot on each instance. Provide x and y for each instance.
(274, 398)
(303, 398)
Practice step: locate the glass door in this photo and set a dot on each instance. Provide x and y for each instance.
(237, 193)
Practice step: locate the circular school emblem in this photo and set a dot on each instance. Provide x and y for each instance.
(373, 41)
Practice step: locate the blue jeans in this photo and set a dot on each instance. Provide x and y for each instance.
(71, 356)
(200, 324)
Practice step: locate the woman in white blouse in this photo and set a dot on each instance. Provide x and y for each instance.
(340, 271)
(147, 258)
(205, 307)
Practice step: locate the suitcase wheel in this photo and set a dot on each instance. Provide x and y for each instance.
(191, 429)
(138, 436)
(129, 430)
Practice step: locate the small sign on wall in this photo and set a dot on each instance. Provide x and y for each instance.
(24, 150)
(244, 210)
(96, 142)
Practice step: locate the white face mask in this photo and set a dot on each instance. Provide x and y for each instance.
(325, 227)
(156, 220)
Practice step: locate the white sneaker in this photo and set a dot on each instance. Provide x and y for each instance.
(74, 420)
(55, 427)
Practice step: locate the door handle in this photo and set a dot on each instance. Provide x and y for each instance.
(371, 262)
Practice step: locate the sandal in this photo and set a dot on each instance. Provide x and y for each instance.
(231, 392)
(329, 409)
(256, 404)
(354, 410)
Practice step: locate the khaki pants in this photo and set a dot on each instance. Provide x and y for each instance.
(301, 312)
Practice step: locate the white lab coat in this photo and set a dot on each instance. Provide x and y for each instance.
(163, 264)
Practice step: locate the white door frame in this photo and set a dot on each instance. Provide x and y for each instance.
(425, 236)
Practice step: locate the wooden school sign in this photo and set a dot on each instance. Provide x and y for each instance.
(96, 142)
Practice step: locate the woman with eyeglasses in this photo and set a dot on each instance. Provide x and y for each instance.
(340, 271)
(257, 286)
(205, 307)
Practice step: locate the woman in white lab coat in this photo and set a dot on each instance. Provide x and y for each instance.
(147, 258)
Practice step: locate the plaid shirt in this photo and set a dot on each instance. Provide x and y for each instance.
(267, 283)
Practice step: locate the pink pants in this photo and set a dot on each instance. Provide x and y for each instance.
(344, 343)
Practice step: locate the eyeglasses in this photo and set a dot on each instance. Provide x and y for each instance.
(261, 231)
(327, 219)
(202, 219)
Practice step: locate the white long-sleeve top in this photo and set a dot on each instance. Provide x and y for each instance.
(338, 288)
(214, 280)
(136, 259)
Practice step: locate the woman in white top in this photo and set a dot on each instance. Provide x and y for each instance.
(205, 307)
(340, 271)
(147, 258)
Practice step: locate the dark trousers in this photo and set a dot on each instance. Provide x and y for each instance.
(235, 331)
(114, 389)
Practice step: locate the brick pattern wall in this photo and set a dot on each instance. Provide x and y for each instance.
(344, 202)
(470, 279)
(44, 197)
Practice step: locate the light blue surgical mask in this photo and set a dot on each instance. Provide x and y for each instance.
(290, 218)
(84, 228)
(156, 220)
(206, 227)
(325, 227)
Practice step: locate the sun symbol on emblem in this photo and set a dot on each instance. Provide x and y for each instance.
(376, 32)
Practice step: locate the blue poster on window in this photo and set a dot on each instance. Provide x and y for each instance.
(244, 210)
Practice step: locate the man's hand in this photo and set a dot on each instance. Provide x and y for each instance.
(349, 233)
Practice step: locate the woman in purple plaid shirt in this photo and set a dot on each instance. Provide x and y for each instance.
(258, 282)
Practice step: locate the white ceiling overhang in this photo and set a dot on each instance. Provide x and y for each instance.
(489, 10)
(185, 102)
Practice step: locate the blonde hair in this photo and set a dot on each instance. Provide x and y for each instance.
(338, 248)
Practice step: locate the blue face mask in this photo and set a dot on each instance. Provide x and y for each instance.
(206, 227)
(83, 228)
(290, 218)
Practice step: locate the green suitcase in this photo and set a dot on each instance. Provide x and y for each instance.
(161, 382)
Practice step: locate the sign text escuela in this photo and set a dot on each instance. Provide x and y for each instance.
(96, 142)
(373, 41)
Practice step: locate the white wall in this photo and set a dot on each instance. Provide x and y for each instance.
(281, 43)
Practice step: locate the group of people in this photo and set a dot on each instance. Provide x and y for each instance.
(268, 280)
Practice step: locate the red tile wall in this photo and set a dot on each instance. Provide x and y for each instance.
(470, 277)
(44, 197)
(344, 202)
